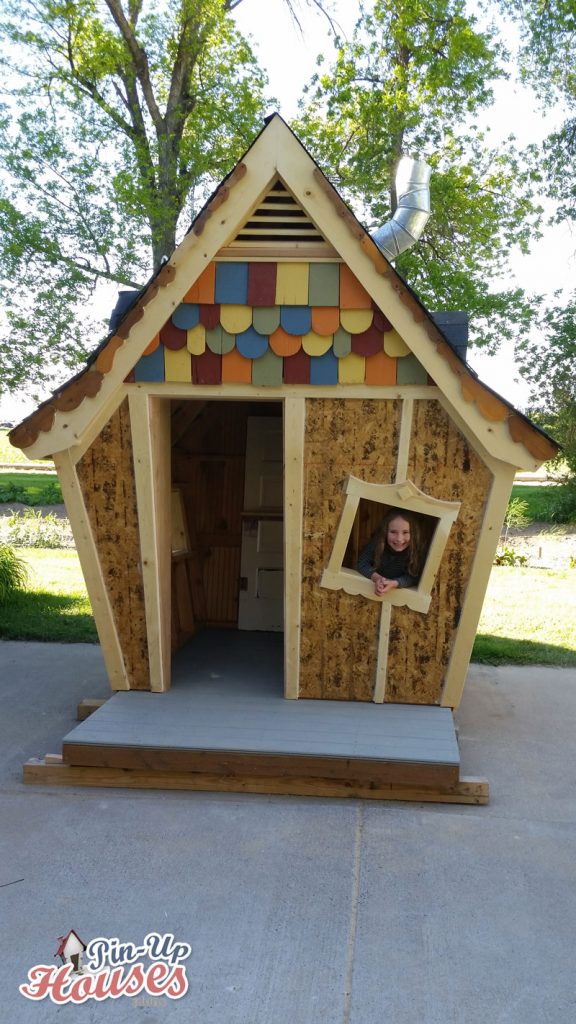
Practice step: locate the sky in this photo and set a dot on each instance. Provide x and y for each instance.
(289, 58)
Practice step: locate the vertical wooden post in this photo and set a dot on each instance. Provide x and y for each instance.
(404, 439)
(406, 417)
(95, 583)
(150, 425)
(480, 575)
(382, 658)
(294, 423)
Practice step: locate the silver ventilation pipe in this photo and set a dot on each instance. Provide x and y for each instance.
(412, 212)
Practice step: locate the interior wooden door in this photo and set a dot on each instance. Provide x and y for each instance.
(261, 602)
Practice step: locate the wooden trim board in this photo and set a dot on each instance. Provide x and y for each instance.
(465, 791)
(150, 425)
(92, 570)
(294, 421)
(474, 597)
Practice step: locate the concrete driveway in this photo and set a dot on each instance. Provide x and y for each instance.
(302, 911)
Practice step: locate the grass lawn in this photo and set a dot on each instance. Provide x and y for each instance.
(529, 615)
(30, 488)
(55, 607)
(27, 486)
(548, 503)
(529, 618)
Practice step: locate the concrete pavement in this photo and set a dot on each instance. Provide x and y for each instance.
(302, 911)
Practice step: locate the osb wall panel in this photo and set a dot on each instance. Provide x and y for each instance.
(441, 463)
(339, 635)
(106, 474)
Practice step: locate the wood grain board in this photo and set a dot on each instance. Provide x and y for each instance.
(466, 791)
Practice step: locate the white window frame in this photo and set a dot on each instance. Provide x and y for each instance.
(403, 495)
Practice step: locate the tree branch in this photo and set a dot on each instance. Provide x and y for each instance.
(96, 272)
(139, 60)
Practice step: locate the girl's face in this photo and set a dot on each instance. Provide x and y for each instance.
(398, 534)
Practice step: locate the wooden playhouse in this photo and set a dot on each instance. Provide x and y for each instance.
(224, 457)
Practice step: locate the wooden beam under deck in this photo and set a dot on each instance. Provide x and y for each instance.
(87, 707)
(465, 791)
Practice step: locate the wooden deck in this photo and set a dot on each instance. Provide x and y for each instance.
(225, 723)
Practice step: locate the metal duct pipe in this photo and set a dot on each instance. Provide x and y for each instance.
(412, 212)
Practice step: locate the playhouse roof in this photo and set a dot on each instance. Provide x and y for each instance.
(63, 941)
(228, 228)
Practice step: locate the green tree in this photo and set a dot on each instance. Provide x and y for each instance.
(550, 367)
(412, 80)
(546, 62)
(122, 117)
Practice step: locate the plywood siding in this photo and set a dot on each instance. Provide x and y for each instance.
(106, 474)
(339, 636)
(441, 463)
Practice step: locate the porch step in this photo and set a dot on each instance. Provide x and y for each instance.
(207, 730)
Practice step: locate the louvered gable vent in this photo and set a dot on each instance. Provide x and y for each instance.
(278, 223)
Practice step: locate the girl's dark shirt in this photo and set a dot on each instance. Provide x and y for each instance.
(393, 564)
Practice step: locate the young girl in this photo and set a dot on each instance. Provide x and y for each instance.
(393, 556)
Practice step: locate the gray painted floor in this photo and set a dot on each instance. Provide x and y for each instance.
(302, 911)
(227, 695)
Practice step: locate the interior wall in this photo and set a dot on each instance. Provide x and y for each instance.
(208, 465)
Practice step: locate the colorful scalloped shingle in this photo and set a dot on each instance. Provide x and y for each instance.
(273, 323)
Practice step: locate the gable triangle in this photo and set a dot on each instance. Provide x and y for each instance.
(279, 227)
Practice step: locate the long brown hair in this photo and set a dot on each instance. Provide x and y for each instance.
(418, 545)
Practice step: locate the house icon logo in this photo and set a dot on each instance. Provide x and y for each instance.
(109, 968)
(70, 950)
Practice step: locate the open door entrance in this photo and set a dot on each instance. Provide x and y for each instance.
(227, 492)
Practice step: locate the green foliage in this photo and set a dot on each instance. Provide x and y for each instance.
(55, 606)
(504, 650)
(552, 503)
(118, 125)
(516, 516)
(410, 81)
(548, 362)
(537, 498)
(32, 529)
(508, 556)
(53, 618)
(563, 504)
(546, 62)
(30, 489)
(13, 573)
(517, 513)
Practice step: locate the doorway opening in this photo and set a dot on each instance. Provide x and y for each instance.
(227, 527)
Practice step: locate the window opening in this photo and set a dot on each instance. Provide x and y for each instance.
(365, 507)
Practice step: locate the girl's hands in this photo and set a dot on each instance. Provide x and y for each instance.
(382, 585)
